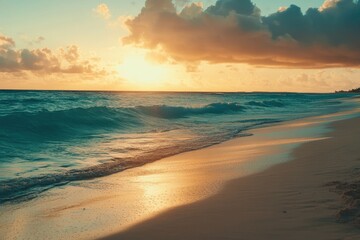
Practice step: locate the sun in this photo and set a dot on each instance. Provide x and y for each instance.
(138, 70)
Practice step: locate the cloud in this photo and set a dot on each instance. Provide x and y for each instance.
(234, 31)
(192, 11)
(103, 11)
(44, 60)
(6, 42)
(328, 4)
(282, 9)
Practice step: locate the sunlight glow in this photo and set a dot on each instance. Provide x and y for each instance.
(138, 70)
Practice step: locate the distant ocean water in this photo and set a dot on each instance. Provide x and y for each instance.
(50, 138)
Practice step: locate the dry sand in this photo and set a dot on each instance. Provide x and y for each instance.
(293, 200)
(212, 194)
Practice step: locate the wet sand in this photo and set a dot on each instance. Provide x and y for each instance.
(307, 198)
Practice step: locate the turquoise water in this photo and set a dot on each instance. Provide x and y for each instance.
(51, 138)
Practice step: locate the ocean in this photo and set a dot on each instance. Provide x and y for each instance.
(52, 138)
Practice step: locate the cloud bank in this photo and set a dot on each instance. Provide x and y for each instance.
(234, 31)
(44, 60)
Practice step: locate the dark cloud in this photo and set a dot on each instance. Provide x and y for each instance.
(224, 7)
(44, 60)
(235, 31)
(338, 25)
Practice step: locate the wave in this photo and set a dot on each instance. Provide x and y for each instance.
(60, 124)
(267, 103)
(169, 112)
(82, 122)
(65, 123)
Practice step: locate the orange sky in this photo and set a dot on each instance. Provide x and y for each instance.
(179, 46)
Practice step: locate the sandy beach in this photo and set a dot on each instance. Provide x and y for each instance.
(286, 181)
(315, 196)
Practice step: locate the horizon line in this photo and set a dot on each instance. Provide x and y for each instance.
(158, 91)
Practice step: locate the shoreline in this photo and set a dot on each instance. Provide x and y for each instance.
(92, 173)
(54, 180)
(313, 196)
(125, 200)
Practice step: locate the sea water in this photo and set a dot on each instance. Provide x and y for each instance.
(51, 138)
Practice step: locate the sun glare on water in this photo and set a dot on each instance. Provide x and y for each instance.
(138, 70)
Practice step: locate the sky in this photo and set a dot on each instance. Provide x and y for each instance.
(180, 45)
